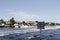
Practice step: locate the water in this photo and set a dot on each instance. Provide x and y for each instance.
(7, 30)
(49, 33)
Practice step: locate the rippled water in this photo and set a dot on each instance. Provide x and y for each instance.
(7, 30)
(49, 33)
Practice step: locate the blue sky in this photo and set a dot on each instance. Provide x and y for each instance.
(41, 10)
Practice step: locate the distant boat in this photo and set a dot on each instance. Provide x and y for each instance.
(2, 25)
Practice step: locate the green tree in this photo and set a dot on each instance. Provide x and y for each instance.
(12, 21)
(24, 23)
(36, 21)
(2, 21)
(47, 23)
(52, 24)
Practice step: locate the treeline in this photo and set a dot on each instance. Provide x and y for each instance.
(12, 22)
(29, 23)
(52, 24)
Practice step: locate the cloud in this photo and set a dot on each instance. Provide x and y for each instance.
(9, 10)
(22, 15)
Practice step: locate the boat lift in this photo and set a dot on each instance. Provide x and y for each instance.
(40, 25)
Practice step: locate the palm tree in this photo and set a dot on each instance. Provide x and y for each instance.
(12, 21)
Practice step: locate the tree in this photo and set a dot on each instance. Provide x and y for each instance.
(47, 23)
(12, 21)
(52, 24)
(36, 21)
(23, 23)
(2, 21)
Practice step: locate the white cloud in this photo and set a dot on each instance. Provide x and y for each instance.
(9, 10)
(22, 15)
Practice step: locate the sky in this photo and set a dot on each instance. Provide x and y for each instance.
(30, 10)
